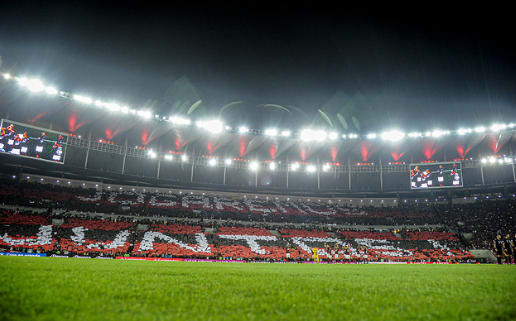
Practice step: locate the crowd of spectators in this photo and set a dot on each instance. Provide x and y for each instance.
(271, 227)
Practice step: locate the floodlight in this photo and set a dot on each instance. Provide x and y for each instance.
(168, 157)
(508, 160)
(35, 85)
(343, 136)
(414, 134)
(271, 132)
(438, 133)
(311, 168)
(23, 81)
(176, 120)
(124, 109)
(184, 158)
(491, 159)
(228, 161)
(213, 126)
(464, 131)
(151, 154)
(326, 167)
(253, 165)
(498, 127)
(286, 133)
(112, 107)
(483, 160)
(144, 114)
(212, 162)
(294, 166)
(500, 161)
(480, 129)
(333, 135)
(352, 136)
(83, 99)
(371, 136)
(7, 76)
(51, 90)
(309, 135)
(272, 166)
(243, 130)
(393, 135)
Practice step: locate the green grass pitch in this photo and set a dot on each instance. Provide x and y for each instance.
(82, 289)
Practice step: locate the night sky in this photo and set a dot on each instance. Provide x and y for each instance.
(431, 67)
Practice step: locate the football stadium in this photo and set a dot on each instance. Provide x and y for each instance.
(205, 190)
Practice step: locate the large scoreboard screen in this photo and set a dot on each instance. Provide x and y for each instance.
(33, 142)
(435, 175)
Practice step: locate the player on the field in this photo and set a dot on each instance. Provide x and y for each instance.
(508, 249)
(498, 245)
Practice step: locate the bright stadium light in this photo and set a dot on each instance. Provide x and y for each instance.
(333, 135)
(483, 160)
(310, 135)
(49, 90)
(491, 159)
(326, 167)
(212, 162)
(146, 114)
(311, 168)
(464, 131)
(271, 132)
(169, 157)
(508, 160)
(243, 130)
(371, 136)
(414, 134)
(35, 85)
(228, 161)
(213, 126)
(184, 158)
(99, 103)
(500, 161)
(286, 133)
(151, 154)
(272, 166)
(393, 135)
(294, 166)
(23, 81)
(112, 107)
(343, 136)
(480, 129)
(498, 127)
(253, 166)
(83, 99)
(438, 133)
(511, 125)
(352, 136)
(180, 121)
(7, 76)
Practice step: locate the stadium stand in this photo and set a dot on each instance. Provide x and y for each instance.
(75, 221)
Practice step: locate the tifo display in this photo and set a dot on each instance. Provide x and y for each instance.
(436, 175)
(34, 142)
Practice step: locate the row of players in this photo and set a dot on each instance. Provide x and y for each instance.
(505, 249)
